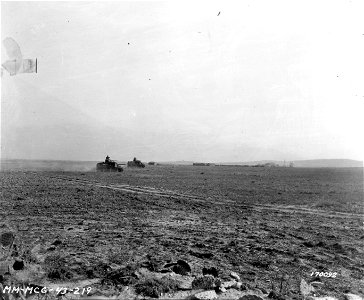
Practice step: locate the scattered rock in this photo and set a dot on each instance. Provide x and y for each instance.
(182, 267)
(221, 289)
(6, 239)
(210, 271)
(51, 248)
(57, 242)
(235, 276)
(207, 295)
(308, 244)
(18, 265)
(306, 288)
(353, 297)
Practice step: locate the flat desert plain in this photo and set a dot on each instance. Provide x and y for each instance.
(272, 226)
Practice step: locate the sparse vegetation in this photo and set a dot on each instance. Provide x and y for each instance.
(122, 276)
(56, 267)
(206, 282)
(153, 287)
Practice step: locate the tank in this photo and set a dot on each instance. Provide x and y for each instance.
(135, 163)
(108, 166)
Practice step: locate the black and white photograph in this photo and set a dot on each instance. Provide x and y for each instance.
(185, 150)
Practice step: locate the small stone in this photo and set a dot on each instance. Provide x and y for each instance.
(51, 248)
(350, 296)
(272, 295)
(185, 284)
(228, 284)
(6, 239)
(238, 286)
(210, 271)
(57, 242)
(235, 276)
(165, 271)
(306, 288)
(182, 267)
(137, 275)
(207, 295)
(316, 283)
(18, 265)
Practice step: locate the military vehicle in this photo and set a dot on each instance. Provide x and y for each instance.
(135, 163)
(108, 166)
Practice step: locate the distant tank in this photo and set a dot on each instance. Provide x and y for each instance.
(108, 166)
(135, 163)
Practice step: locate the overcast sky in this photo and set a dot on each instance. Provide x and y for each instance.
(176, 80)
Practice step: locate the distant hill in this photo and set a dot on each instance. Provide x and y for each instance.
(328, 163)
(313, 163)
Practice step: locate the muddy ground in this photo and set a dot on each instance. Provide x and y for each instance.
(262, 223)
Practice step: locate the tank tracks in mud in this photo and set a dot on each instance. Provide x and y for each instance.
(144, 190)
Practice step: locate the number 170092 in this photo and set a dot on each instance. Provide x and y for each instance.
(324, 274)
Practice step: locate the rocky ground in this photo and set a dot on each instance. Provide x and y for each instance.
(177, 232)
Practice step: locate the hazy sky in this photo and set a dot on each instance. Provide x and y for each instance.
(177, 80)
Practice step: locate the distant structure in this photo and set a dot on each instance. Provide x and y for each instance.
(201, 164)
(291, 164)
(151, 163)
(266, 165)
(271, 165)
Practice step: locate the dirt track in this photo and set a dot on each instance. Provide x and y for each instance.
(144, 190)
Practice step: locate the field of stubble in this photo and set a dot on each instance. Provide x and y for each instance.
(262, 223)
